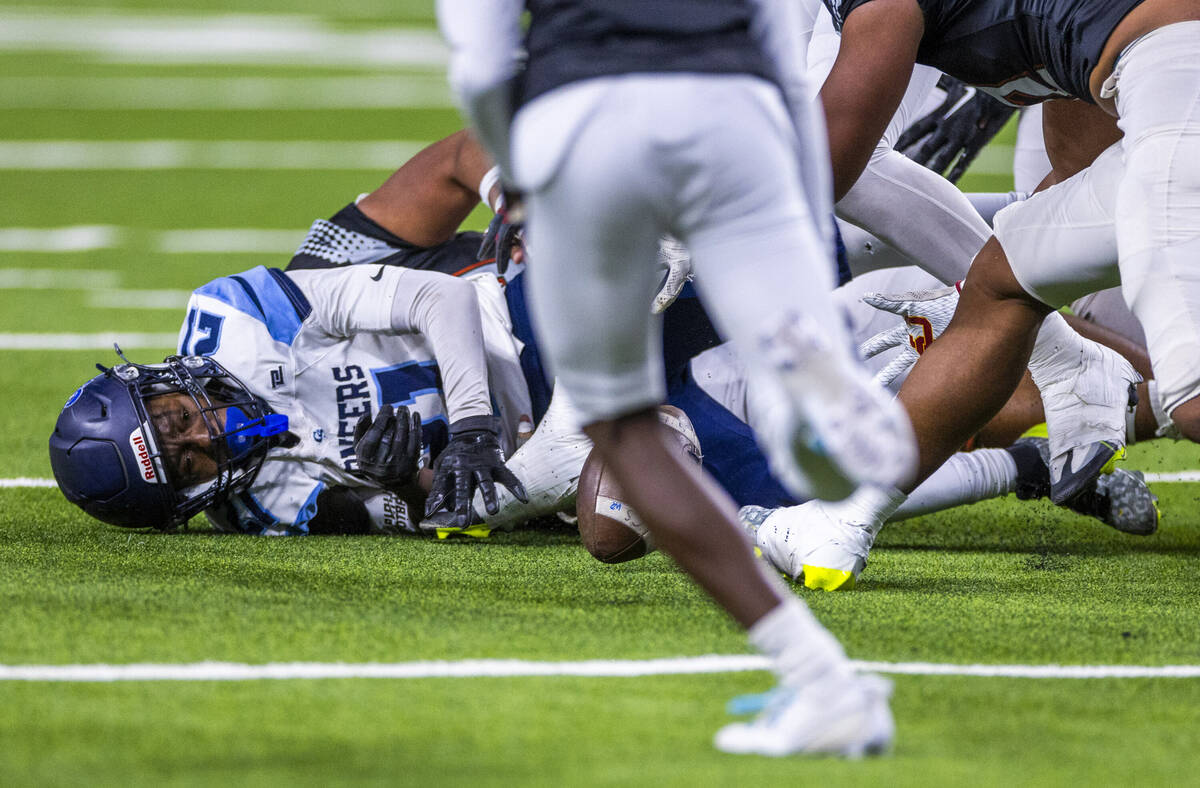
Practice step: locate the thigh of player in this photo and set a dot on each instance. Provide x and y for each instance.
(596, 211)
(744, 213)
(1061, 243)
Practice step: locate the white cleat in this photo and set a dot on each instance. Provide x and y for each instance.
(548, 464)
(843, 429)
(848, 717)
(810, 543)
(1086, 403)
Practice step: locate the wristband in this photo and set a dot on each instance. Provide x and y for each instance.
(486, 184)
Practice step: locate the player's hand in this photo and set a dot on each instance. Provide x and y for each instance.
(675, 258)
(504, 237)
(388, 449)
(956, 131)
(926, 314)
(473, 460)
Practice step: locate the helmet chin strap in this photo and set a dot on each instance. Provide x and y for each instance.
(241, 429)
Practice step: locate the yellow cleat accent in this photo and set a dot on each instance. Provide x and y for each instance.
(473, 531)
(1036, 431)
(1040, 431)
(818, 577)
(1111, 465)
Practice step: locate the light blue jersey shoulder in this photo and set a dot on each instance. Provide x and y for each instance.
(264, 294)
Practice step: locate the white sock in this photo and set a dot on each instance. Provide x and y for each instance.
(988, 204)
(1166, 427)
(800, 649)
(965, 478)
(869, 507)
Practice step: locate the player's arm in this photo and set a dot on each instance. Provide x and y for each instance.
(783, 29)
(445, 310)
(426, 200)
(867, 82)
(361, 510)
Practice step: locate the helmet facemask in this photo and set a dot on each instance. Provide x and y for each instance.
(240, 427)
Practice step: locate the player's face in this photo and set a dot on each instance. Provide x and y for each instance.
(184, 438)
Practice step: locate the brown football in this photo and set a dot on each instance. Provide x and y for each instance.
(609, 528)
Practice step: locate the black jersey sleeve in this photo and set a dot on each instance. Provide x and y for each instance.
(840, 9)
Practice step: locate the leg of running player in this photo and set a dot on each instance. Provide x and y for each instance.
(593, 279)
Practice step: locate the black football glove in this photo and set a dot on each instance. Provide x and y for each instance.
(505, 232)
(956, 131)
(388, 449)
(472, 460)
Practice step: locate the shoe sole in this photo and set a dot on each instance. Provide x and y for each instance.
(833, 463)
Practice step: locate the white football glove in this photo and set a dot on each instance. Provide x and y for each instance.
(675, 258)
(926, 314)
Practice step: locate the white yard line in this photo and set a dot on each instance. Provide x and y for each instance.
(138, 299)
(86, 238)
(102, 341)
(57, 278)
(172, 154)
(227, 241)
(226, 93)
(73, 238)
(292, 40)
(1181, 476)
(488, 668)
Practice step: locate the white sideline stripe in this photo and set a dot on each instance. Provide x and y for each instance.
(226, 93)
(141, 37)
(163, 154)
(75, 238)
(102, 341)
(492, 668)
(1155, 478)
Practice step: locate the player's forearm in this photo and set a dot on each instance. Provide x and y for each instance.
(867, 82)
(426, 200)
(445, 311)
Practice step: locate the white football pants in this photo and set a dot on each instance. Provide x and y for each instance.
(609, 166)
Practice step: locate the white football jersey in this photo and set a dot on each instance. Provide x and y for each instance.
(319, 347)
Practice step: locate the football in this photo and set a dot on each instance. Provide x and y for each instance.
(611, 531)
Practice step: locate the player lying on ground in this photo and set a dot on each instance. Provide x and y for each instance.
(261, 420)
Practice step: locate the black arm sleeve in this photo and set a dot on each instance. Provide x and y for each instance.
(340, 511)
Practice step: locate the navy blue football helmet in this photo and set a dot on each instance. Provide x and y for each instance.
(105, 450)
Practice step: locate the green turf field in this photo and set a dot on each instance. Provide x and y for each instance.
(190, 128)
